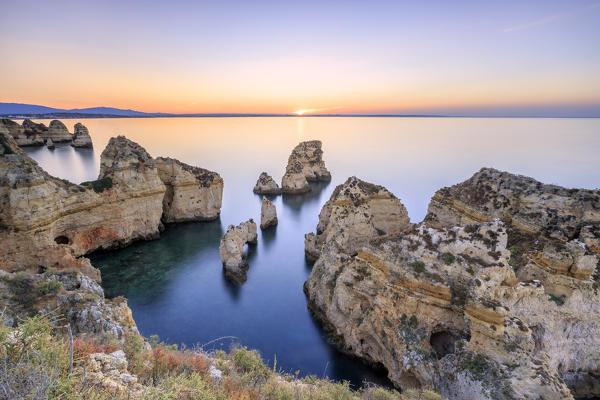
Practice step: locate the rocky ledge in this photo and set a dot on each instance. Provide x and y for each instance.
(45, 220)
(266, 185)
(193, 194)
(472, 301)
(231, 249)
(305, 164)
(22, 135)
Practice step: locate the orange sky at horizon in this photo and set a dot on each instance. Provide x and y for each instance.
(267, 59)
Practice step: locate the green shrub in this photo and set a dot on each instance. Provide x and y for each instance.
(448, 258)
(49, 286)
(99, 185)
(249, 362)
(418, 266)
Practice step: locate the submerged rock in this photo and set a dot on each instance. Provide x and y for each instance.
(193, 194)
(268, 214)
(266, 185)
(50, 144)
(81, 137)
(304, 164)
(443, 307)
(231, 249)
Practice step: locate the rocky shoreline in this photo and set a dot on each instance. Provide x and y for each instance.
(492, 296)
(30, 133)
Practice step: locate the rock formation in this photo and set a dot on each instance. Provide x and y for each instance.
(50, 144)
(231, 249)
(356, 212)
(21, 135)
(268, 214)
(81, 137)
(68, 294)
(266, 185)
(39, 212)
(305, 164)
(58, 132)
(477, 310)
(35, 128)
(193, 194)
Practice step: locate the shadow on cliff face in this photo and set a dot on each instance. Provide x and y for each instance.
(295, 202)
(141, 271)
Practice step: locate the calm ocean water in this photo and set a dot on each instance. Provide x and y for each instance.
(175, 285)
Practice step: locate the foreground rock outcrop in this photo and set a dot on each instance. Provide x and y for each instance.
(81, 137)
(58, 132)
(266, 185)
(268, 214)
(39, 212)
(231, 249)
(193, 194)
(305, 164)
(476, 310)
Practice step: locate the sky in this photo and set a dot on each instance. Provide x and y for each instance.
(421, 57)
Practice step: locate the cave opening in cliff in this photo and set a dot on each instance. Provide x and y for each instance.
(61, 240)
(444, 342)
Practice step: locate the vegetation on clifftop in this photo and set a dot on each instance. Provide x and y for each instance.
(35, 364)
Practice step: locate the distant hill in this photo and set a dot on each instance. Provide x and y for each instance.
(18, 109)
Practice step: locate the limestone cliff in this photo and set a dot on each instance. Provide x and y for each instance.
(58, 132)
(305, 164)
(21, 135)
(193, 194)
(442, 306)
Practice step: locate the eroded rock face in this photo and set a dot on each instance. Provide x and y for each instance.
(443, 306)
(356, 212)
(70, 295)
(268, 214)
(39, 211)
(193, 194)
(266, 185)
(21, 135)
(304, 164)
(50, 144)
(81, 137)
(58, 132)
(231, 249)
(521, 202)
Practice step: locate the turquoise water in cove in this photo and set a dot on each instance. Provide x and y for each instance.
(175, 285)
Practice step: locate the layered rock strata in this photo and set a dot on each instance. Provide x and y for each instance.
(21, 135)
(39, 212)
(442, 306)
(192, 193)
(231, 249)
(81, 137)
(268, 214)
(305, 164)
(266, 185)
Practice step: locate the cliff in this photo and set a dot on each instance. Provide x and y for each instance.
(439, 304)
(193, 194)
(40, 212)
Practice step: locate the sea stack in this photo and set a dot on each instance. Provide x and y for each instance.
(268, 214)
(58, 132)
(305, 164)
(231, 249)
(266, 185)
(21, 135)
(193, 194)
(81, 137)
